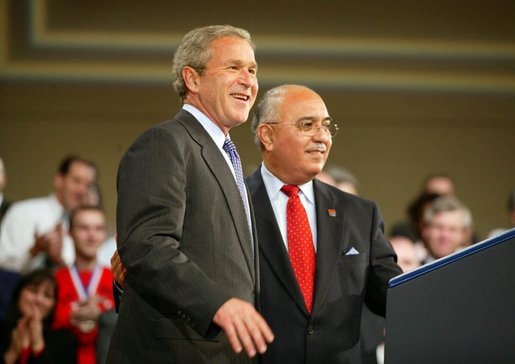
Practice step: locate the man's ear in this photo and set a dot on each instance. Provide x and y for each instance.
(58, 181)
(191, 79)
(266, 136)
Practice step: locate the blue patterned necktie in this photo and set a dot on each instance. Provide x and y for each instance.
(230, 149)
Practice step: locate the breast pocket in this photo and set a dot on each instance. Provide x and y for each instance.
(352, 272)
(353, 259)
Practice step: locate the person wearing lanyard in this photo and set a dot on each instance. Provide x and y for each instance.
(85, 288)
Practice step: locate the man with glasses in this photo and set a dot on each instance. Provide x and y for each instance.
(322, 251)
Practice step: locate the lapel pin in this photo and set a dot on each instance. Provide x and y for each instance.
(331, 212)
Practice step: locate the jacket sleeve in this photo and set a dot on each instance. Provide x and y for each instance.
(383, 265)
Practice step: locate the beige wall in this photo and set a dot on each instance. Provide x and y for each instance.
(416, 89)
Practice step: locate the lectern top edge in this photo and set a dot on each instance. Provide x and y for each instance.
(437, 264)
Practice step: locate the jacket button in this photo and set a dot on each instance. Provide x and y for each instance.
(310, 330)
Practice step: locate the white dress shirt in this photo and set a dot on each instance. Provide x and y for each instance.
(219, 139)
(213, 130)
(22, 221)
(279, 200)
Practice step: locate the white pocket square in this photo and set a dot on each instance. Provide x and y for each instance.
(352, 251)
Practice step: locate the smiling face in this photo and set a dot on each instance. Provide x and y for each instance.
(88, 231)
(290, 155)
(72, 188)
(227, 88)
(445, 233)
(37, 299)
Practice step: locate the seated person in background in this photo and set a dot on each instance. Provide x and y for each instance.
(85, 288)
(411, 228)
(434, 185)
(34, 232)
(447, 227)
(439, 183)
(341, 178)
(511, 215)
(407, 257)
(415, 213)
(26, 336)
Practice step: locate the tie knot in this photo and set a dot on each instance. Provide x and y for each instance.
(290, 190)
(229, 146)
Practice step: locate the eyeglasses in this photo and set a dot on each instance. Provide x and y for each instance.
(310, 128)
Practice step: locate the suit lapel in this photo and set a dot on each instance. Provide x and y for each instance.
(218, 166)
(271, 244)
(330, 223)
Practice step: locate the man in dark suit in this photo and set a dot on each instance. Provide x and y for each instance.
(353, 260)
(184, 226)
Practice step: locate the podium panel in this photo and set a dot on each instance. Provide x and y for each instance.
(458, 309)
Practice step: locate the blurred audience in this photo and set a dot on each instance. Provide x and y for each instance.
(434, 185)
(439, 183)
(411, 229)
(26, 333)
(407, 257)
(34, 231)
(4, 204)
(107, 249)
(510, 208)
(373, 326)
(85, 288)
(339, 177)
(447, 227)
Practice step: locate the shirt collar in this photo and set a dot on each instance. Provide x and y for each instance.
(57, 205)
(273, 185)
(212, 129)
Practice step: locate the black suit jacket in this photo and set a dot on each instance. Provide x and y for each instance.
(183, 236)
(343, 282)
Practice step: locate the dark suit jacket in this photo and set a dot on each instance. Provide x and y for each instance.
(343, 282)
(183, 237)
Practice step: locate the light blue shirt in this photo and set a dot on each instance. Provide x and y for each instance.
(213, 130)
(279, 200)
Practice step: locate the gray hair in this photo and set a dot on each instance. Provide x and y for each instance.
(447, 204)
(341, 175)
(194, 51)
(267, 109)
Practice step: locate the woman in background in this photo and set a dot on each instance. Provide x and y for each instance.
(26, 336)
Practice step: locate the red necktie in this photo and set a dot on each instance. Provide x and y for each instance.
(300, 244)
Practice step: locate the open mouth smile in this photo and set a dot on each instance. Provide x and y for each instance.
(241, 97)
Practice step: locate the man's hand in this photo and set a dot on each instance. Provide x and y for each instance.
(118, 269)
(87, 310)
(35, 328)
(50, 243)
(244, 326)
